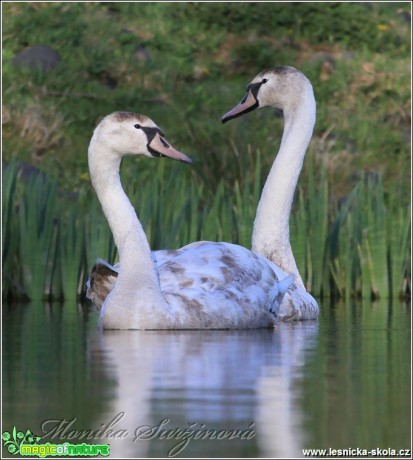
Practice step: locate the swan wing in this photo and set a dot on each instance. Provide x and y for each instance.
(219, 285)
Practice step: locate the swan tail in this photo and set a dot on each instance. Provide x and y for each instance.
(101, 281)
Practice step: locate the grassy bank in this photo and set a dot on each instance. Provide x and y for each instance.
(185, 64)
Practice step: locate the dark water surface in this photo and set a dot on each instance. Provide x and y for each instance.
(341, 382)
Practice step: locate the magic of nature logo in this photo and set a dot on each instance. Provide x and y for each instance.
(26, 443)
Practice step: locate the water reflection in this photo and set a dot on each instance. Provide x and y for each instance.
(212, 379)
(342, 382)
(46, 370)
(280, 414)
(357, 389)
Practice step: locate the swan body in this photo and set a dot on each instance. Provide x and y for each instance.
(203, 285)
(287, 89)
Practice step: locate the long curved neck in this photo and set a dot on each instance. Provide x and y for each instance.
(271, 234)
(137, 286)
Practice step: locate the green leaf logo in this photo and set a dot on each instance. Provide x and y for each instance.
(14, 439)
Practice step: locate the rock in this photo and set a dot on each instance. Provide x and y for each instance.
(37, 57)
(142, 54)
(406, 16)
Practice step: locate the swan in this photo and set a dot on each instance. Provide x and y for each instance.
(203, 285)
(288, 89)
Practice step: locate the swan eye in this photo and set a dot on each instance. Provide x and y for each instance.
(264, 80)
(138, 126)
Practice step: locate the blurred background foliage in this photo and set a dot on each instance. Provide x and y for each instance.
(184, 65)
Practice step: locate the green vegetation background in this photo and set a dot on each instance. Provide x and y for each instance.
(184, 65)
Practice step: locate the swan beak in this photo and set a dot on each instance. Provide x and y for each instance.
(248, 103)
(159, 147)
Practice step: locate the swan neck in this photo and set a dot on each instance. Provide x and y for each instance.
(115, 204)
(137, 269)
(271, 236)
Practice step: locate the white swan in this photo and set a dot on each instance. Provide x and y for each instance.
(287, 89)
(201, 286)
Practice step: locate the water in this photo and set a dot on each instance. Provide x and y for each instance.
(341, 382)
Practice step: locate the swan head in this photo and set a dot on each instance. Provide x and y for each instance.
(281, 87)
(126, 133)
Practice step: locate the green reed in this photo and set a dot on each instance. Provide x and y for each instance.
(342, 254)
(9, 229)
(97, 235)
(370, 244)
(317, 231)
(357, 247)
(71, 251)
(398, 229)
(373, 253)
(37, 230)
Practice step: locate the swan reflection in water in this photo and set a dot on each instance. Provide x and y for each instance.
(210, 380)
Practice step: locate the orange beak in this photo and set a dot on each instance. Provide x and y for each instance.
(161, 148)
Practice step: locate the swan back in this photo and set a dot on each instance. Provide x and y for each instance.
(208, 285)
(220, 285)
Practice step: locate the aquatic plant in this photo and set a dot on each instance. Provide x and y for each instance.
(358, 246)
(37, 231)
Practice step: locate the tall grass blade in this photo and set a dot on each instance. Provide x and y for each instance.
(298, 238)
(399, 234)
(317, 211)
(343, 245)
(71, 253)
(374, 237)
(98, 236)
(37, 229)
